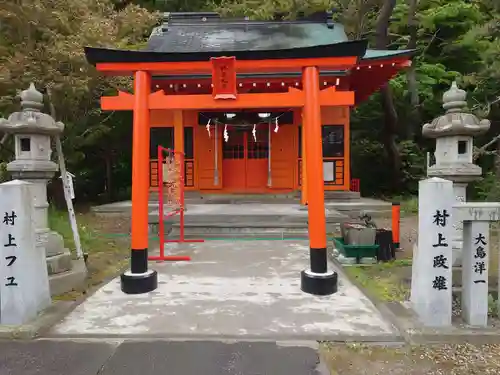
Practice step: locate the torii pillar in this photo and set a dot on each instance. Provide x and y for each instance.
(139, 279)
(316, 280)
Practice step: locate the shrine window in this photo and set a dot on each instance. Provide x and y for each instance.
(160, 137)
(188, 143)
(333, 140)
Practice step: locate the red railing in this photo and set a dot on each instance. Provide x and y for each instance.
(355, 185)
(178, 208)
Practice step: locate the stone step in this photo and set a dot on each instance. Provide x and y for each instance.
(59, 263)
(242, 221)
(293, 197)
(214, 232)
(342, 195)
(262, 229)
(354, 208)
(245, 214)
(74, 279)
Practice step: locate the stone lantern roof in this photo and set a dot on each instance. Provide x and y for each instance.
(31, 120)
(457, 120)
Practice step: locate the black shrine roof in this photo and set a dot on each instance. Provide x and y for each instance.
(200, 36)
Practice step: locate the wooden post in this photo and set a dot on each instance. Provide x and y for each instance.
(347, 150)
(317, 280)
(303, 196)
(139, 279)
(178, 131)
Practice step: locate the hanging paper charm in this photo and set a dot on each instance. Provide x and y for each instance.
(208, 127)
(226, 134)
(277, 125)
(254, 133)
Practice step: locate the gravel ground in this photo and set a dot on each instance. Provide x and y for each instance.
(457, 359)
(352, 359)
(408, 233)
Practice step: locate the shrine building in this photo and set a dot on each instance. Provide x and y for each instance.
(244, 135)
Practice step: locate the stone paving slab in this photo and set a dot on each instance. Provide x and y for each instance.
(65, 357)
(231, 289)
(53, 358)
(211, 358)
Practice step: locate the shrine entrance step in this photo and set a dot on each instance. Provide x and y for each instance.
(252, 221)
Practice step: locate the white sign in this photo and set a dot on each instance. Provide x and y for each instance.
(432, 269)
(328, 171)
(24, 283)
(69, 184)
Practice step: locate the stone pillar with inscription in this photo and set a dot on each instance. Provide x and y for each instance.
(431, 270)
(32, 131)
(477, 217)
(454, 132)
(24, 284)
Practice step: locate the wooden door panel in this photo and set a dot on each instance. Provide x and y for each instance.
(233, 161)
(256, 173)
(283, 157)
(257, 158)
(234, 174)
(205, 158)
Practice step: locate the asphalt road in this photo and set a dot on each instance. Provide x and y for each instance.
(46, 357)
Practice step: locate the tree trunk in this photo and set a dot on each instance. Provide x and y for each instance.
(414, 119)
(109, 176)
(387, 100)
(497, 160)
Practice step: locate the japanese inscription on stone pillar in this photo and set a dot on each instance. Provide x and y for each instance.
(475, 272)
(10, 247)
(431, 270)
(24, 284)
(440, 260)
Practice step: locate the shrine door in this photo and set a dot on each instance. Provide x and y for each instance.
(245, 160)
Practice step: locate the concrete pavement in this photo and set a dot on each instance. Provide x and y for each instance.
(230, 289)
(49, 357)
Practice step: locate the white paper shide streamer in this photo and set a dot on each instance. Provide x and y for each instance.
(226, 134)
(254, 133)
(208, 127)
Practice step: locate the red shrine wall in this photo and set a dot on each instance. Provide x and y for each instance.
(243, 167)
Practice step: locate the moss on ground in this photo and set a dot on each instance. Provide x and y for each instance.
(384, 281)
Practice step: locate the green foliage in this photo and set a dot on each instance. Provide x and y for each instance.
(487, 188)
(42, 41)
(3, 172)
(369, 162)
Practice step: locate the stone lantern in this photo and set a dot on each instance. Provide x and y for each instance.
(454, 133)
(32, 131)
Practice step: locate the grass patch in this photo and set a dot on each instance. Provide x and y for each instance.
(384, 281)
(107, 255)
(409, 204)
